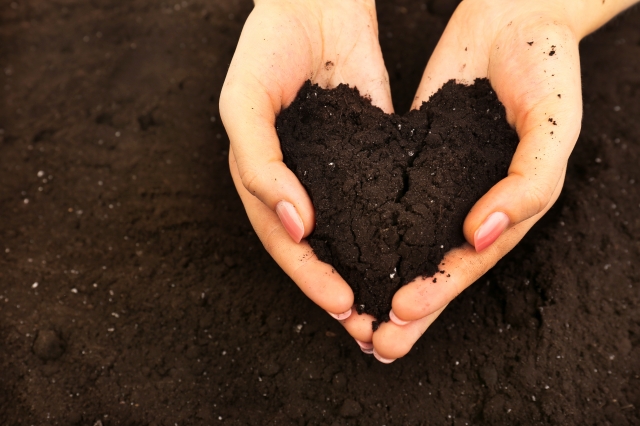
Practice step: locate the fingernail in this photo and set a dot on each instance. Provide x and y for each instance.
(290, 220)
(342, 316)
(492, 227)
(382, 359)
(394, 319)
(367, 348)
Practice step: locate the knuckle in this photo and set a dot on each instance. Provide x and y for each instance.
(536, 199)
(250, 180)
(271, 239)
(310, 256)
(392, 348)
(224, 100)
(403, 349)
(229, 95)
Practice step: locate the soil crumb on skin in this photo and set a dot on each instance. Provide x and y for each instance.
(391, 192)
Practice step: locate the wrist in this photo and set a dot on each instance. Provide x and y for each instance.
(586, 16)
(371, 4)
(582, 17)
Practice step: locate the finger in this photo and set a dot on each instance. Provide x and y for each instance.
(256, 88)
(392, 341)
(462, 267)
(359, 327)
(318, 280)
(250, 123)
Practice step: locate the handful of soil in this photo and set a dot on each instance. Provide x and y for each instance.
(391, 192)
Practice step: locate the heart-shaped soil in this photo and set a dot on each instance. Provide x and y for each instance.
(391, 192)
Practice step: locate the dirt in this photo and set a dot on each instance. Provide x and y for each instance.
(155, 303)
(391, 192)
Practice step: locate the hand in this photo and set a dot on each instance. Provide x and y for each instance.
(529, 52)
(283, 44)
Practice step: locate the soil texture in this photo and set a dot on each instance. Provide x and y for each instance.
(391, 192)
(133, 290)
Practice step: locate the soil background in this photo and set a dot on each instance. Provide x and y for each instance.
(155, 303)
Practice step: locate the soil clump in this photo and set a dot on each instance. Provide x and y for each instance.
(391, 192)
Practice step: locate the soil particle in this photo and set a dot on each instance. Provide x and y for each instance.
(350, 408)
(494, 409)
(391, 192)
(270, 368)
(48, 346)
(339, 381)
(489, 375)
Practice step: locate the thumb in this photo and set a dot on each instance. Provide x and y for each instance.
(548, 132)
(248, 114)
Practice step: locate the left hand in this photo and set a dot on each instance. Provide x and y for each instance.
(283, 44)
(529, 52)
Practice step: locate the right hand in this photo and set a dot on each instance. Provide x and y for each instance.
(529, 52)
(283, 44)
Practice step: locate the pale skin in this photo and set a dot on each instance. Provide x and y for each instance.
(529, 52)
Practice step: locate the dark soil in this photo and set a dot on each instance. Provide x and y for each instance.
(391, 192)
(157, 305)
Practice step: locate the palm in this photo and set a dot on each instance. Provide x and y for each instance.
(285, 45)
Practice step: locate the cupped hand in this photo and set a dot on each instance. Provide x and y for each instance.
(283, 44)
(529, 52)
